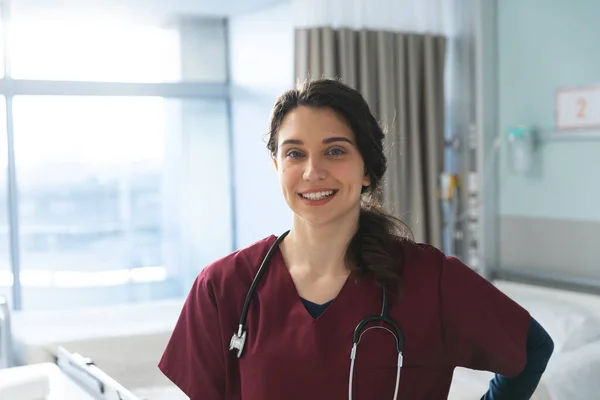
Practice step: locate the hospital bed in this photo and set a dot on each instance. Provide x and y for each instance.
(125, 342)
(70, 377)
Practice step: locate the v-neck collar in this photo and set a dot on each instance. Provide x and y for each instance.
(290, 286)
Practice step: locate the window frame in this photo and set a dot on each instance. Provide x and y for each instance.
(9, 88)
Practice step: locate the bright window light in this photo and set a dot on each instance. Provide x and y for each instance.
(83, 51)
(97, 131)
(83, 279)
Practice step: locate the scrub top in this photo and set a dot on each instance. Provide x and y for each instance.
(450, 316)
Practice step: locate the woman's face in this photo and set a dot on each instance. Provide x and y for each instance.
(320, 168)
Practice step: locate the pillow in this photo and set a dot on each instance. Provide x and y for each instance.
(573, 375)
(570, 326)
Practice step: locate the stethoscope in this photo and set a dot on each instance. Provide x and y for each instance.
(238, 340)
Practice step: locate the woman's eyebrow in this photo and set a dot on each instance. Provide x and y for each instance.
(325, 141)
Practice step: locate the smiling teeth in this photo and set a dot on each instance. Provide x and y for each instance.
(317, 195)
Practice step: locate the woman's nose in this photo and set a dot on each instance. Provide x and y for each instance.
(315, 170)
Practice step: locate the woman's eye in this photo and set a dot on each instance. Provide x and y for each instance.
(336, 151)
(294, 154)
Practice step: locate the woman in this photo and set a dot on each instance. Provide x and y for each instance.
(332, 270)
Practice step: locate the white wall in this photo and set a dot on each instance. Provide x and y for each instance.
(559, 185)
(549, 217)
(261, 57)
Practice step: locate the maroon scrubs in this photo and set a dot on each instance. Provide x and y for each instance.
(450, 316)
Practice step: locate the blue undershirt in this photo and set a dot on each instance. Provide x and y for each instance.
(521, 387)
(315, 309)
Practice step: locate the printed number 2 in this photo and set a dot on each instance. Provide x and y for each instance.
(582, 103)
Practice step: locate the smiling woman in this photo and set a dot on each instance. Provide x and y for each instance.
(343, 305)
(324, 137)
(318, 163)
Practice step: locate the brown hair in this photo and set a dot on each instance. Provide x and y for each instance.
(377, 248)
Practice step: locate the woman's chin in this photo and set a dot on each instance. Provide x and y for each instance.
(318, 218)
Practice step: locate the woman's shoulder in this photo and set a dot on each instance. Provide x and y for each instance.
(427, 263)
(424, 258)
(416, 253)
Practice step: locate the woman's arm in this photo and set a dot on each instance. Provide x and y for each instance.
(539, 349)
(194, 358)
(483, 329)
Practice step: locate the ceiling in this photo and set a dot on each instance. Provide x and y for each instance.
(142, 10)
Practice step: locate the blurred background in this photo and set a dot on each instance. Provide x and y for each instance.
(133, 152)
(125, 120)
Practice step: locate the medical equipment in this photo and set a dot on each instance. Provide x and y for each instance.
(69, 377)
(521, 141)
(5, 334)
(91, 378)
(238, 340)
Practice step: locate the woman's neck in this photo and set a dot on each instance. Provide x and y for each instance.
(319, 250)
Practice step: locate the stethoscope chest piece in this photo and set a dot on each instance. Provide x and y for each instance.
(238, 341)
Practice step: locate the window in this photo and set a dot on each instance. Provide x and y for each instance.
(123, 190)
(89, 51)
(120, 198)
(1, 47)
(6, 278)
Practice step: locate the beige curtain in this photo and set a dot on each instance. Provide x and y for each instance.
(402, 78)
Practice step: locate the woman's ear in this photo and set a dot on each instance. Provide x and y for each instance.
(275, 164)
(366, 180)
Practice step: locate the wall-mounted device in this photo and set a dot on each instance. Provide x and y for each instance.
(520, 146)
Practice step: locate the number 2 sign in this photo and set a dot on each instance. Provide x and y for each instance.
(578, 108)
